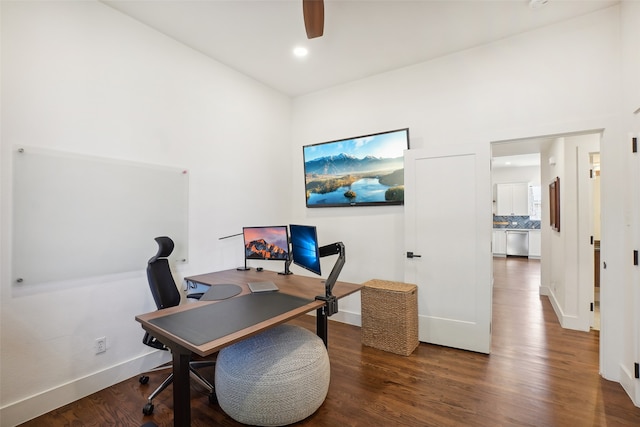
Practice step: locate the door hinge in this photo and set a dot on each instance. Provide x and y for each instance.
(590, 173)
(591, 306)
(634, 145)
(591, 240)
(635, 257)
(637, 369)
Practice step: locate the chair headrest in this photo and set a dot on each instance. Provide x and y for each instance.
(165, 247)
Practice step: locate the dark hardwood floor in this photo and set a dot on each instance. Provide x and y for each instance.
(538, 374)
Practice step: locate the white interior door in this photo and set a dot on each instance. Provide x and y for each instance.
(448, 229)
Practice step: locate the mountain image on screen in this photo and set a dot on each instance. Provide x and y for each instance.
(345, 178)
(261, 249)
(345, 164)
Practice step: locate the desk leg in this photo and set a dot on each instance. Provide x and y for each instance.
(181, 387)
(322, 325)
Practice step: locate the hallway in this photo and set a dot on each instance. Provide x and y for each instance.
(526, 329)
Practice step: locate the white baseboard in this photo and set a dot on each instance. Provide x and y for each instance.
(556, 307)
(630, 384)
(566, 321)
(33, 406)
(573, 322)
(348, 317)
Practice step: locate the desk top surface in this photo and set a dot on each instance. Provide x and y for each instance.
(303, 287)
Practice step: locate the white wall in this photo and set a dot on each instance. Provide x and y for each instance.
(560, 79)
(552, 273)
(567, 262)
(81, 77)
(528, 174)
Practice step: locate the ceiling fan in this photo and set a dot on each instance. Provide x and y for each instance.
(313, 11)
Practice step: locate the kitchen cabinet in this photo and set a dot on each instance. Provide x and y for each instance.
(535, 240)
(499, 242)
(512, 199)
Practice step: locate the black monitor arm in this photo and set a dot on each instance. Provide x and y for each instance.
(332, 249)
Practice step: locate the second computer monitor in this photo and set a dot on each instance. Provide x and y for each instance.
(304, 247)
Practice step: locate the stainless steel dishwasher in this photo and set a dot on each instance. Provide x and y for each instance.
(517, 243)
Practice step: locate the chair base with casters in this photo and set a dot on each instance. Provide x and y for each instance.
(147, 409)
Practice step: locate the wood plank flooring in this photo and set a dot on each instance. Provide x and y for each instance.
(538, 374)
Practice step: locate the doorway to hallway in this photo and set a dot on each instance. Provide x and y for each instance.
(568, 267)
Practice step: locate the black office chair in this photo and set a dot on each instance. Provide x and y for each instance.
(166, 294)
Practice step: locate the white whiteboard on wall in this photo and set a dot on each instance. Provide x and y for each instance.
(76, 216)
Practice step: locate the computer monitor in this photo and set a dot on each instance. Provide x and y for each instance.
(304, 247)
(266, 243)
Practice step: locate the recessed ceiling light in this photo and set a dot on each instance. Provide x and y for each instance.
(507, 163)
(300, 51)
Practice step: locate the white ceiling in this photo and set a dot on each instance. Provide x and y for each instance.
(522, 152)
(361, 37)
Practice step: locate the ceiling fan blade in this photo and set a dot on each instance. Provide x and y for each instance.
(313, 11)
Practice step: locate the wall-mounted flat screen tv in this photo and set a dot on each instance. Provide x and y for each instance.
(366, 170)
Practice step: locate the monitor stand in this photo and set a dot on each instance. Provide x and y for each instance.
(245, 268)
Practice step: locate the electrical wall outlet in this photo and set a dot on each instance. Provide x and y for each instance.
(101, 345)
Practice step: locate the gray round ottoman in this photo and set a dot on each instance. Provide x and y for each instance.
(275, 378)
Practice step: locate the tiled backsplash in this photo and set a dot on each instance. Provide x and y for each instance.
(523, 222)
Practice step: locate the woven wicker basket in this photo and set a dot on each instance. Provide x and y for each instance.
(390, 316)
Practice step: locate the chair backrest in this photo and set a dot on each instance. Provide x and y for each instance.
(163, 287)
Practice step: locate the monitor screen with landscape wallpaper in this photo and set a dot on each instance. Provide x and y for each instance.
(269, 243)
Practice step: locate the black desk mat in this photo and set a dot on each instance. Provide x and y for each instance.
(212, 321)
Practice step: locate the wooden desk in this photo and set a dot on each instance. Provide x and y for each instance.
(182, 349)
